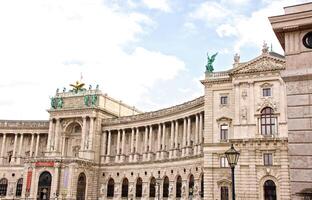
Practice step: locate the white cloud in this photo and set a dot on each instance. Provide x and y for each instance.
(254, 29)
(211, 12)
(226, 30)
(46, 44)
(162, 5)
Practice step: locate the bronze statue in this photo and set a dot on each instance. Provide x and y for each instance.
(210, 60)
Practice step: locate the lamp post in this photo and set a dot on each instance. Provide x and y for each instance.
(232, 157)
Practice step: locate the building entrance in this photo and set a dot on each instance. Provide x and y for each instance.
(44, 186)
(81, 187)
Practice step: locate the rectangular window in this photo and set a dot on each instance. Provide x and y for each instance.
(224, 132)
(268, 159)
(266, 92)
(223, 162)
(224, 100)
(224, 193)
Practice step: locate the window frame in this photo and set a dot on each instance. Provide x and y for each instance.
(224, 100)
(267, 92)
(268, 122)
(268, 159)
(224, 133)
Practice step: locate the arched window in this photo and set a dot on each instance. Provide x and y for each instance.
(268, 121)
(202, 186)
(166, 187)
(81, 187)
(178, 186)
(110, 187)
(191, 185)
(152, 188)
(269, 188)
(19, 186)
(224, 193)
(3, 186)
(124, 192)
(138, 188)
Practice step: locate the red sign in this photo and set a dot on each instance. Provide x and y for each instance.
(28, 183)
(44, 164)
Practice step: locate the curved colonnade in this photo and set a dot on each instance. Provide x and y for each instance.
(156, 153)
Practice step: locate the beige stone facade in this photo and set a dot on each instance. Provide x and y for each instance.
(292, 30)
(95, 147)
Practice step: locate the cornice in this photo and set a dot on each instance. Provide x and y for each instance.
(24, 124)
(156, 114)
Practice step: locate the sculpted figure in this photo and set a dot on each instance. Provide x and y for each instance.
(60, 103)
(93, 99)
(210, 60)
(86, 100)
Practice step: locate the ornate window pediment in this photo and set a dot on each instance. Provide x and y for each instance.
(267, 102)
(224, 120)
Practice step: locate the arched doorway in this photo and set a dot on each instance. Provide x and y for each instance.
(178, 186)
(191, 185)
(81, 187)
(125, 186)
(152, 188)
(110, 188)
(44, 186)
(138, 188)
(269, 189)
(166, 187)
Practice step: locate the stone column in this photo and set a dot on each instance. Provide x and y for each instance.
(83, 133)
(171, 139)
(14, 147)
(57, 135)
(131, 145)
(163, 150)
(123, 139)
(200, 141)
(31, 150)
(55, 181)
(184, 137)
(150, 142)
(63, 145)
(196, 135)
(136, 155)
(91, 134)
(104, 146)
(145, 143)
(37, 145)
(188, 142)
(176, 133)
(20, 149)
(158, 142)
(50, 135)
(118, 146)
(108, 146)
(3, 147)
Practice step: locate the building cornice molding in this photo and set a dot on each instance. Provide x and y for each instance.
(156, 114)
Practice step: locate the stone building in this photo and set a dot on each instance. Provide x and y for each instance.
(294, 32)
(95, 147)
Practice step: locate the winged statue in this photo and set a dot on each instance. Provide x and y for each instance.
(77, 86)
(210, 60)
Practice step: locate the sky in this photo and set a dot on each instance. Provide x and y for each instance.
(150, 54)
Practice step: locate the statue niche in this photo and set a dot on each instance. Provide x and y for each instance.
(72, 139)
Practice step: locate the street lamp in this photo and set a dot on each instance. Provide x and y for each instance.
(232, 157)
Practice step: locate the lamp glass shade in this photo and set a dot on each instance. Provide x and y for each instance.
(232, 156)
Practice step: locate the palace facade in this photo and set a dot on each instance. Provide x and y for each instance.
(95, 147)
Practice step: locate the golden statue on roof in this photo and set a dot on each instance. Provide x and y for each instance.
(77, 86)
